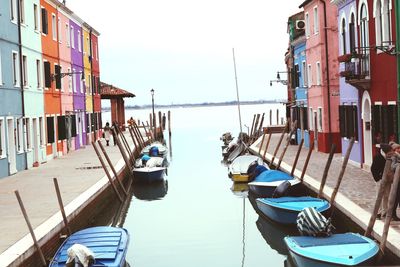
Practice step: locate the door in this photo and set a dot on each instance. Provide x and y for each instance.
(35, 141)
(55, 143)
(315, 130)
(68, 126)
(366, 112)
(11, 146)
(80, 133)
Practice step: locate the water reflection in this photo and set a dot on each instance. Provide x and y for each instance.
(152, 191)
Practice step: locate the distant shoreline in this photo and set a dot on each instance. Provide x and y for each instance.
(230, 103)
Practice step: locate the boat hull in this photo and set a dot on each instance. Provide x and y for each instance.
(148, 174)
(266, 189)
(288, 216)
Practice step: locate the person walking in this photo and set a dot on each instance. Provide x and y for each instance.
(395, 163)
(107, 133)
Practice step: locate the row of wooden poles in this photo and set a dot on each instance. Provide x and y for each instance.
(128, 155)
(385, 179)
(257, 124)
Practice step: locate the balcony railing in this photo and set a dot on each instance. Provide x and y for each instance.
(356, 69)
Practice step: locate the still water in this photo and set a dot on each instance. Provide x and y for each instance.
(195, 217)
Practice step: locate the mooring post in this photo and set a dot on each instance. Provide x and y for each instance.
(339, 180)
(138, 144)
(112, 167)
(151, 132)
(279, 144)
(261, 125)
(277, 116)
(134, 143)
(60, 203)
(270, 117)
(268, 141)
(327, 166)
(379, 197)
(252, 125)
(262, 142)
(124, 156)
(293, 128)
(146, 133)
(126, 144)
(297, 156)
(310, 150)
(136, 127)
(106, 171)
(254, 134)
(389, 213)
(39, 250)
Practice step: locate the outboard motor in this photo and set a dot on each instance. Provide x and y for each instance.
(257, 171)
(310, 222)
(281, 190)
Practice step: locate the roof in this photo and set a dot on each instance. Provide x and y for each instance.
(305, 3)
(109, 91)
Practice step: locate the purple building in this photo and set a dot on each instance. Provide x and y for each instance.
(78, 86)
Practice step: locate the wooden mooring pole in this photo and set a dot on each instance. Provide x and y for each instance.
(277, 116)
(39, 250)
(146, 132)
(261, 125)
(310, 150)
(252, 125)
(60, 203)
(267, 145)
(293, 128)
(112, 167)
(379, 197)
(107, 172)
(262, 142)
(122, 150)
(270, 117)
(326, 170)
(297, 156)
(279, 144)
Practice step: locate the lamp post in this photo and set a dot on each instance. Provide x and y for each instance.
(154, 118)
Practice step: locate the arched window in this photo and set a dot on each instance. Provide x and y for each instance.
(364, 39)
(343, 32)
(386, 25)
(378, 22)
(352, 33)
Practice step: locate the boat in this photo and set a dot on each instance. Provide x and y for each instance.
(347, 249)
(284, 210)
(148, 174)
(238, 169)
(108, 245)
(266, 182)
(155, 149)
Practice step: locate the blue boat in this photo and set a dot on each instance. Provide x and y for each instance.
(265, 183)
(285, 209)
(348, 249)
(109, 245)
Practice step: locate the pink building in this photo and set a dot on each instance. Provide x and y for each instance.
(321, 75)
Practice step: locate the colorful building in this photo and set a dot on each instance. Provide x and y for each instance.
(322, 73)
(95, 66)
(87, 58)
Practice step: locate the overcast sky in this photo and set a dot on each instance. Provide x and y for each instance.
(183, 48)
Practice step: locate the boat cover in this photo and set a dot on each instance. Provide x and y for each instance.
(296, 203)
(272, 176)
(338, 239)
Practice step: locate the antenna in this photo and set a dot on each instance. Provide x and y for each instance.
(237, 89)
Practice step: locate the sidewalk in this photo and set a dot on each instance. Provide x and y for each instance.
(76, 172)
(357, 192)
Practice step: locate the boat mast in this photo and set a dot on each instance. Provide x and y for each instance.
(237, 89)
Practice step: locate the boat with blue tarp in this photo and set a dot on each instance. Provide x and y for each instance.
(266, 182)
(347, 249)
(285, 209)
(107, 245)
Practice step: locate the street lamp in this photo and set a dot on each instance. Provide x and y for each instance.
(278, 79)
(154, 118)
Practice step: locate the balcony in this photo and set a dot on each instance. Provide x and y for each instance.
(356, 71)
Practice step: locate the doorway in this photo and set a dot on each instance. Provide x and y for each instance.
(315, 130)
(12, 161)
(35, 140)
(366, 116)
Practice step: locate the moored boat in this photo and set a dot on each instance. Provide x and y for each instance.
(238, 170)
(148, 174)
(348, 249)
(285, 209)
(155, 149)
(266, 182)
(108, 245)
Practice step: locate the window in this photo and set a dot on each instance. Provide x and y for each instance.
(45, 22)
(72, 37)
(38, 73)
(27, 134)
(81, 81)
(89, 88)
(54, 26)
(364, 40)
(386, 36)
(320, 119)
(343, 35)
(59, 30)
(97, 52)
(74, 81)
(57, 69)
(352, 33)
(88, 46)
(41, 133)
(348, 121)
(309, 80)
(13, 10)
(3, 151)
(35, 17)
(318, 72)
(79, 41)
(296, 76)
(316, 20)
(25, 70)
(304, 70)
(307, 19)
(69, 81)
(15, 68)
(68, 35)
(47, 74)
(22, 11)
(384, 122)
(50, 130)
(19, 135)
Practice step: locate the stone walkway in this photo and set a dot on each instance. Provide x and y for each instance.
(357, 192)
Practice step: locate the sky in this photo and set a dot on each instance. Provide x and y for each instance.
(183, 48)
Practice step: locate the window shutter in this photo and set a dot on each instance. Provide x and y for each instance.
(50, 130)
(349, 121)
(355, 122)
(376, 122)
(73, 126)
(47, 75)
(58, 76)
(100, 121)
(96, 125)
(93, 121)
(305, 117)
(87, 123)
(342, 121)
(62, 131)
(385, 123)
(45, 24)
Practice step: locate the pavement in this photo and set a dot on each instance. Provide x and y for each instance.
(357, 192)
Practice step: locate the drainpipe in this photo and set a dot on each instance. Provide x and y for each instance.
(91, 82)
(21, 76)
(327, 74)
(397, 15)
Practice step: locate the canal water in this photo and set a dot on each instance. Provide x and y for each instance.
(197, 217)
